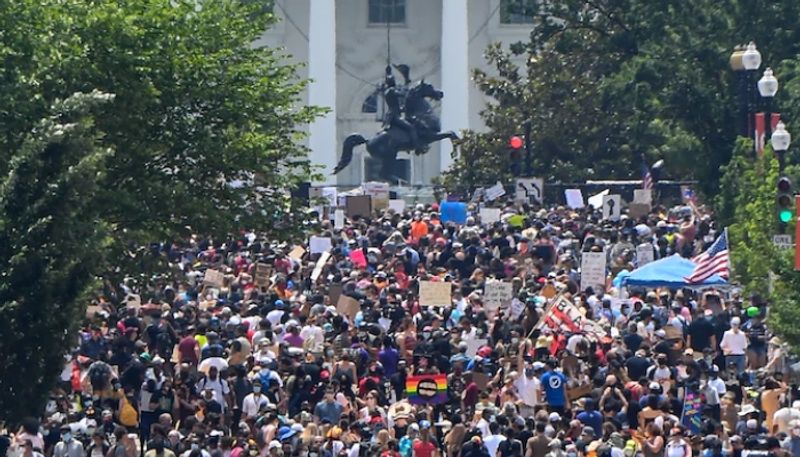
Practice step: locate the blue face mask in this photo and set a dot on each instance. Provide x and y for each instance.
(66, 436)
(256, 389)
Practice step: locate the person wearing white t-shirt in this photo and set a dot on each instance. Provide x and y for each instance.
(254, 401)
(492, 441)
(734, 346)
(527, 384)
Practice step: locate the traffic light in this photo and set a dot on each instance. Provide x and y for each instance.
(785, 200)
(516, 143)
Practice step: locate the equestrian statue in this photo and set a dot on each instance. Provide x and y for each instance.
(409, 125)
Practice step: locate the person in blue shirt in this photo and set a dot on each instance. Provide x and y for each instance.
(591, 417)
(554, 385)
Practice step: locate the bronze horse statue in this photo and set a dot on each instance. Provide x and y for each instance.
(392, 139)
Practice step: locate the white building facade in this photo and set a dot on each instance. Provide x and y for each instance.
(344, 46)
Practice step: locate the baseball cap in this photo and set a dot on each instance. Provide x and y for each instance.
(424, 425)
(555, 417)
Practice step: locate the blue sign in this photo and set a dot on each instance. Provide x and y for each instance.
(453, 212)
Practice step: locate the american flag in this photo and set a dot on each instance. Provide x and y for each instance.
(647, 178)
(712, 262)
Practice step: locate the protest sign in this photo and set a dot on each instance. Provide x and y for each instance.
(358, 206)
(497, 294)
(474, 344)
(643, 196)
(323, 259)
(593, 270)
(495, 192)
(379, 191)
(612, 207)
(214, 278)
(435, 293)
(398, 205)
(297, 253)
(358, 258)
(426, 389)
(319, 244)
(529, 190)
(596, 200)
(549, 291)
(453, 212)
(692, 415)
(262, 274)
(644, 254)
(574, 198)
(517, 308)
(331, 195)
(489, 215)
(348, 306)
(338, 219)
(563, 316)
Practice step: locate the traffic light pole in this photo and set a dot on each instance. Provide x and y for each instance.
(528, 157)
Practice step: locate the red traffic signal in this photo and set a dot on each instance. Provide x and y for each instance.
(515, 142)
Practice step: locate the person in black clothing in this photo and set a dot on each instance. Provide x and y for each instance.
(701, 333)
(633, 341)
(637, 365)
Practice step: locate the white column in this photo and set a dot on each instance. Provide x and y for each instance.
(322, 89)
(455, 72)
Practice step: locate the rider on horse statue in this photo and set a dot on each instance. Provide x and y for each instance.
(394, 96)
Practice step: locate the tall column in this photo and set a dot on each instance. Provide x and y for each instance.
(322, 89)
(455, 72)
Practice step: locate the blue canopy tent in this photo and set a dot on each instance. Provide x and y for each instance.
(669, 272)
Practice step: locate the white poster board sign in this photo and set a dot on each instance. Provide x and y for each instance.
(497, 294)
(398, 205)
(643, 196)
(612, 207)
(318, 244)
(596, 200)
(574, 198)
(495, 192)
(323, 259)
(435, 293)
(593, 270)
(338, 219)
(489, 215)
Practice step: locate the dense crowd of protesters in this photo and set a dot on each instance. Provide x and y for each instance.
(267, 365)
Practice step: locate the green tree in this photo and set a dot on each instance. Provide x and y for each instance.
(198, 106)
(604, 81)
(50, 234)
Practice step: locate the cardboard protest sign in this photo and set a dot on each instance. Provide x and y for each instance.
(489, 215)
(644, 196)
(574, 198)
(497, 294)
(338, 219)
(358, 206)
(549, 291)
(319, 244)
(672, 332)
(262, 274)
(358, 258)
(435, 293)
(379, 191)
(593, 270)
(427, 389)
(323, 259)
(297, 253)
(334, 292)
(612, 207)
(214, 278)
(348, 306)
(644, 254)
(453, 212)
(494, 192)
(529, 190)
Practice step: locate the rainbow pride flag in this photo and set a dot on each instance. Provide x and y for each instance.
(427, 389)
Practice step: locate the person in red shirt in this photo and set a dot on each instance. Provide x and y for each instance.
(425, 445)
(189, 348)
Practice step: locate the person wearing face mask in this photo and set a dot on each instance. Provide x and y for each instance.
(254, 401)
(68, 446)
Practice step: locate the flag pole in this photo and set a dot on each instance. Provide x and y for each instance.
(730, 256)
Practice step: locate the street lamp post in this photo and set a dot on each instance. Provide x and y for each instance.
(751, 61)
(781, 139)
(768, 87)
(741, 88)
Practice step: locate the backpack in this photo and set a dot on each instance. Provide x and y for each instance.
(127, 414)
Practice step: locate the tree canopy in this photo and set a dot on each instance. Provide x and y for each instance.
(604, 81)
